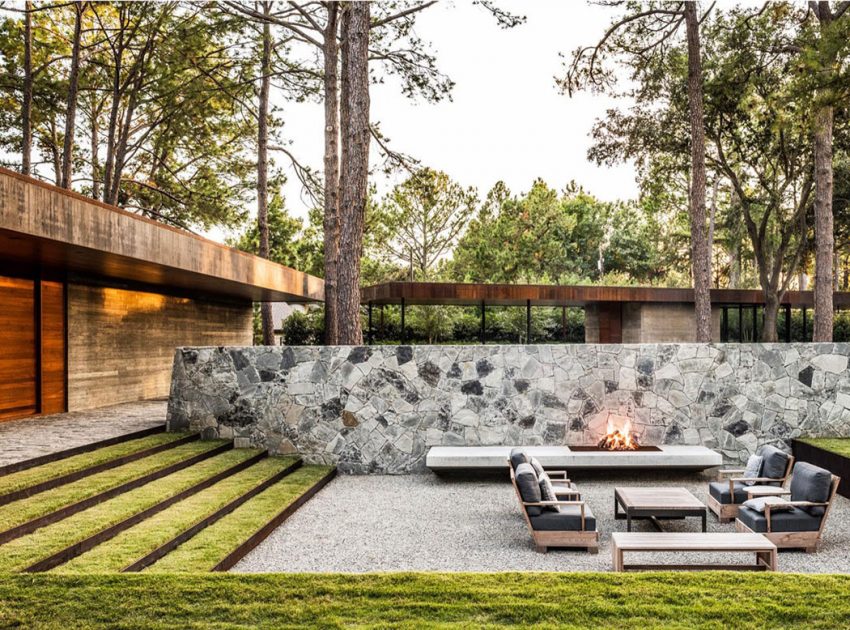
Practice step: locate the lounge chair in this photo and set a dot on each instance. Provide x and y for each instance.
(801, 526)
(726, 495)
(553, 523)
(564, 487)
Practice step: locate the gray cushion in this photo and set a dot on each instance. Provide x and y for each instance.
(774, 462)
(547, 492)
(810, 483)
(568, 519)
(529, 487)
(753, 469)
(720, 491)
(777, 504)
(537, 466)
(795, 520)
(518, 457)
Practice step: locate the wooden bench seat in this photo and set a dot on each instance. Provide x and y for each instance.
(764, 549)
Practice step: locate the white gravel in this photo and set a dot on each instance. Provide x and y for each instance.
(428, 523)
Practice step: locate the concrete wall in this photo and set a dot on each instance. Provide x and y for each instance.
(663, 323)
(121, 343)
(378, 409)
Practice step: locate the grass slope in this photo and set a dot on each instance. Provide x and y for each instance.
(20, 553)
(421, 600)
(151, 533)
(23, 510)
(836, 445)
(210, 546)
(46, 472)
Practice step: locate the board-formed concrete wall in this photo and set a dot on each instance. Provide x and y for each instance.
(120, 342)
(378, 409)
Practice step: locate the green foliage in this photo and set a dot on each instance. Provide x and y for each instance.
(711, 599)
(297, 330)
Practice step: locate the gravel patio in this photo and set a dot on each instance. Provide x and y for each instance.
(429, 523)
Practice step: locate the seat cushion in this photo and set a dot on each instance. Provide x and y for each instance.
(720, 491)
(537, 466)
(774, 462)
(795, 520)
(529, 487)
(811, 483)
(567, 520)
(518, 456)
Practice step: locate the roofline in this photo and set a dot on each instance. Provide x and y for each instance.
(67, 231)
(458, 293)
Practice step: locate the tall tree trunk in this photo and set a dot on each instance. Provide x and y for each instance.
(824, 237)
(354, 172)
(54, 150)
(331, 218)
(73, 89)
(26, 109)
(95, 145)
(263, 167)
(112, 129)
(700, 250)
(771, 313)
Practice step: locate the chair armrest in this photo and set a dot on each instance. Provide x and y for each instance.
(729, 471)
(778, 492)
(756, 479)
(806, 504)
(560, 481)
(562, 474)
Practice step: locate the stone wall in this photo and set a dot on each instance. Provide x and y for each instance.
(120, 342)
(378, 409)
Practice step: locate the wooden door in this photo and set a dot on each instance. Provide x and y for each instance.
(18, 348)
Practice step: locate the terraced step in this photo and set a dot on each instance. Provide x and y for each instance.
(220, 546)
(34, 480)
(152, 538)
(77, 450)
(26, 551)
(26, 515)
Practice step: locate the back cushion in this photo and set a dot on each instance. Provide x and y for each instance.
(529, 487)
(774, 462)
(518, 457)
(537, 466)
(810, 483)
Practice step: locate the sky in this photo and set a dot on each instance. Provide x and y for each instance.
(506, 120)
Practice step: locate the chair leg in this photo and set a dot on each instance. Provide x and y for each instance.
(541, 549)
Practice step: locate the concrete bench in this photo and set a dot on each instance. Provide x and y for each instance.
(495, 457)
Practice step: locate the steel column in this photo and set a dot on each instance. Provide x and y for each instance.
(369, 336)
(528, 321)
(483, 336)
(805, 333)
(787, 323)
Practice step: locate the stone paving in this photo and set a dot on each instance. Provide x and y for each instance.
(428, 523)
(40, 435)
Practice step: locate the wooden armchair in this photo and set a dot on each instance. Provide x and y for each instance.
(572, 526)
(726, 495)
(800, 527)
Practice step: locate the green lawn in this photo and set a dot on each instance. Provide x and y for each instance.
(836, 445)
(23, 510)
(209, 547)
(417, 600)
(45, 472)
(157, 530)
(22, 552)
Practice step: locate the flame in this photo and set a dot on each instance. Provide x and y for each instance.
(619, 439)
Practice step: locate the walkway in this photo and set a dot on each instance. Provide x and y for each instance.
(32, 437)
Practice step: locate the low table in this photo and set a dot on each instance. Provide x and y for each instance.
(655, 503)
(679, 542)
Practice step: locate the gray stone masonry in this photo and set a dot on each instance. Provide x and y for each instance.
(377, 409)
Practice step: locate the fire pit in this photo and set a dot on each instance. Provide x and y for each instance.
(617, 440)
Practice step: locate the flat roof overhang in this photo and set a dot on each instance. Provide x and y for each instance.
(460, 294)
(52, 228)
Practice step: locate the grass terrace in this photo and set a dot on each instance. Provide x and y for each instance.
(427, 600)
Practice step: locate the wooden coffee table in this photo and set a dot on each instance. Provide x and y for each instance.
(764, 550)
(655, 504)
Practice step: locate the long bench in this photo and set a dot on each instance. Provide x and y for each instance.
(764, 549)
(679, 457)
